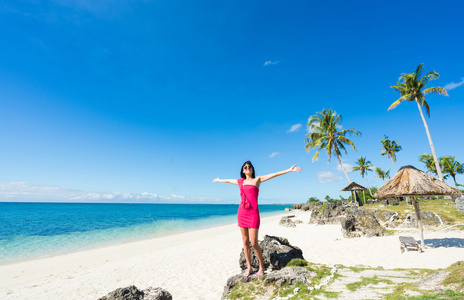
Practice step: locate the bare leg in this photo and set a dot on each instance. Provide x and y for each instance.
(246, 249)
(259, 253)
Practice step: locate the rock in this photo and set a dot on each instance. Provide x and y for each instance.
(133, 293)
(233, 281)
(307, 206)
(287, 222)
(391, 201)
(460, 204)
(387, 218)
(316, 215)
(127, 293)
(288, 209)
(361, 222)
(156, 294)
(429, 219)
(333, 213)
(277, 252)
(290, 275)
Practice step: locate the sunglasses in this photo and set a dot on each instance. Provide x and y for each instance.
(247, 167)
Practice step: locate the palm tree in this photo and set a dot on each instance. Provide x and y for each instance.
(390, 148)
(413, 89)
(429, 162)
(451, 167)
(325, 134)
(364, 166)
(382, 174)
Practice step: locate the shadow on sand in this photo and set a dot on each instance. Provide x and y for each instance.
(446, 242)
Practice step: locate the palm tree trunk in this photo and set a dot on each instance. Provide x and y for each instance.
(393, 165)
(417, 210)
(437, 165)
(343, 168)
(369, 188)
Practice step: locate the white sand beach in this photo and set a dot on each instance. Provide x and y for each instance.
(197, 264)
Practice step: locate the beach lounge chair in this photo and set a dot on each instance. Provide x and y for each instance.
(408, 242)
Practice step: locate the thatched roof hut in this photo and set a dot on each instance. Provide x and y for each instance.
(353, 187)
(410, 181)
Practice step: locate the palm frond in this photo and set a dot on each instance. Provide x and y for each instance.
(436, 90)
(427, 108)
(419, 70)
(396, 103)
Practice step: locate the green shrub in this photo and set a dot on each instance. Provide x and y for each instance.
(297, 262)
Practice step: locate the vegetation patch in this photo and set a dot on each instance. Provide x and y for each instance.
(366, 281)
(400, 291)
(448, 294)
(456, 275)
(449, 216)
(303, 293)
(248, 291)
(321, 270)
(297, 262)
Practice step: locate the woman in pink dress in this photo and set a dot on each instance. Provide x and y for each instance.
(248, 212)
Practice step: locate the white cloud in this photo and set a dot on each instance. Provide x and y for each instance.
(452, 85)
(22, 192)
(327, 177)
(316, 123)
(273, 154)
(294, 128)
(348, 167)
(270, 62)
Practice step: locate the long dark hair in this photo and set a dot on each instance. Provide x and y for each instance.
(242, 175)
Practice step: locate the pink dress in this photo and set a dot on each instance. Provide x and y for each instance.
(248, 212)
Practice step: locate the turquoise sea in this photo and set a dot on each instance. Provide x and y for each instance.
(32, 230)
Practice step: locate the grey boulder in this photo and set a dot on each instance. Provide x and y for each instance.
(277, 252)
(133, 293)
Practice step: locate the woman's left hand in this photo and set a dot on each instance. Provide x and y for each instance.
(294, 168)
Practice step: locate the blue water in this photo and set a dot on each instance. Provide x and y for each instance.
(32, 230)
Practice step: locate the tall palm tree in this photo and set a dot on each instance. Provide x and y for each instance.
(413, 89)
(382, 174)
(429, 162)
(390, 148)
(451, 167)
(364, 166)
(325, 134)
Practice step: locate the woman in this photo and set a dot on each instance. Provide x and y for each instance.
(248, 212)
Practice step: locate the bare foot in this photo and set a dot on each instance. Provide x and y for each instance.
(247, 273)
(260, 273)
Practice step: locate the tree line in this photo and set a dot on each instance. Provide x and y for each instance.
(325, 135)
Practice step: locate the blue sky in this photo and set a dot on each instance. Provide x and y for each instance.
(148, 101)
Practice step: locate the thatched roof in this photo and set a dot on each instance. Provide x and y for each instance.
(410, 181)
(353, 187)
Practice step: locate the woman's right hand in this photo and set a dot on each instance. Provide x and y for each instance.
(216, 180)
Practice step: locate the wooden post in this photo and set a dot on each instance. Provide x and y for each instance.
(417, 210)
(408, 201)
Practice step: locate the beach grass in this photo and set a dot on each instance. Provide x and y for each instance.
(456, 275)
(367, 281)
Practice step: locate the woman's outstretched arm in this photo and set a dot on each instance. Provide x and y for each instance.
(233, 181)
(294, 168)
